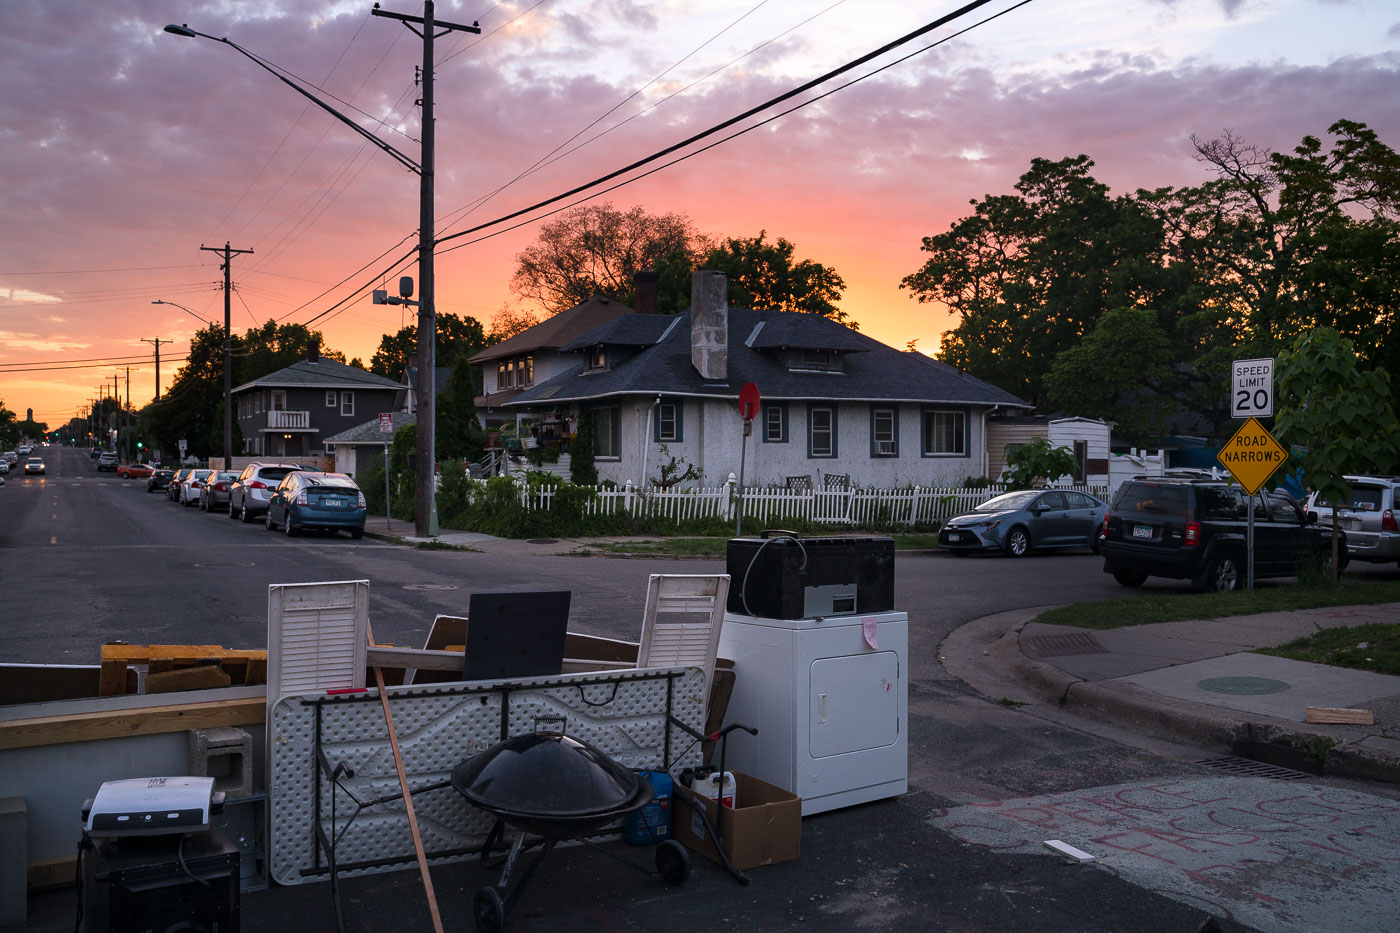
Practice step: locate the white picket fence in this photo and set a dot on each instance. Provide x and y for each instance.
(914, 505)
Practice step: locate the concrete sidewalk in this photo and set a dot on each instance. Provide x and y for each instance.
(402, 532)
(1201, 682)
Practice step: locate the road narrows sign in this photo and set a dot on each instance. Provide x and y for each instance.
(1252, 455)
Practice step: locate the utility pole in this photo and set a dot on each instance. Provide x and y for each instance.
(228, 254)
(126, 442)
(425, 506)
(157, 341)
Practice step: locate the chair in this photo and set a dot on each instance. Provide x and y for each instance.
(681, 625)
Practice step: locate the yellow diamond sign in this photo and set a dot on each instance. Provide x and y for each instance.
(1252, 455)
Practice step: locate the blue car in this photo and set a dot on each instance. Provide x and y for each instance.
(306, 499)
(1019, 522)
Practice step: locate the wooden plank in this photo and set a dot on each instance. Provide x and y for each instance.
(141, 654)
(257, 670)
(112, 724)
(112, 679)
(50, 872)
(200, 677)
(1328, 714)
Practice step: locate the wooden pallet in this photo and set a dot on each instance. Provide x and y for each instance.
(180, 667)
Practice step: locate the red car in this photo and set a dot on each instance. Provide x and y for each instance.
(135, 471)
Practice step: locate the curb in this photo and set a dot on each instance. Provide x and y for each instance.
(1332, 751)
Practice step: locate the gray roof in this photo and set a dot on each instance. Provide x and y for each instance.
(322, 374)
(556, 331)
(630, 330)
(876, 372)
(369, 433)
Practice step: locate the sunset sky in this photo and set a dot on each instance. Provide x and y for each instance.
(124, 149)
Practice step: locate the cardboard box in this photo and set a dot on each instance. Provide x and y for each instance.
(764, 827)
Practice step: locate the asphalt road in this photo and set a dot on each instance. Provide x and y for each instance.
(86, 558)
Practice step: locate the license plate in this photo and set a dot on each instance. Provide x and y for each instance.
(332, 503)
(1142, 531)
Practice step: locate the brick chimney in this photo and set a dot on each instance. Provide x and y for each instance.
(709, 325)
(313, 352)
(644, 283)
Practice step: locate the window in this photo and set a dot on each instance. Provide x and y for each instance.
(257, 402)
(504, 374)
(279, 400)
(815, 357)
(1081, 459)
(775, 423)
(945, 434)
(607, 426)
(330, 398)
(525, 371)
(347, 403)
(821, 431)
(884, 432)
(667, 425)
(598, 357)
(1052, 501)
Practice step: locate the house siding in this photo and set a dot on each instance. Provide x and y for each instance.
(1002, 436)
(323, 420)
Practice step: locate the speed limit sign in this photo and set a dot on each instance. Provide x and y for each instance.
(1252, 395)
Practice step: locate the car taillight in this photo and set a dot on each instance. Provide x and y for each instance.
(1193, 534)
(194, 484)
(301, 498)
(257, 484)
(1388, 521)
(221, 487)
(361, 503)
(1104, 530)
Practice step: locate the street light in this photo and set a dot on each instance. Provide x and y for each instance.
(425, 511)
(186, 310)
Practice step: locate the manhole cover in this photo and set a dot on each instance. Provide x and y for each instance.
(1059, 646)
(1242, 686)
(429, 586)
(541, 540)
(226, 563)
(1251, 768)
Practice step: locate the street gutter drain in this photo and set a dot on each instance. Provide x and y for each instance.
(1251, 768)
(429, 586)
(541, 540)
(1059, 646)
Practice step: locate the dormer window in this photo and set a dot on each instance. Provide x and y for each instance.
(598, 357)
(812, 360)
(817, 357)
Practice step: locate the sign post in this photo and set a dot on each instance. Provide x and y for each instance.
(1252, 456)
(748, 410)
(386, 427)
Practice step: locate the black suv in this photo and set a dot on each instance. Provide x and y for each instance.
(1195, 529)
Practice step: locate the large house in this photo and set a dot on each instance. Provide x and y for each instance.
(291, 412)
(835, 403)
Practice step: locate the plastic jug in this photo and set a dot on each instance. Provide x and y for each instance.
(652, 823)
(709, 785)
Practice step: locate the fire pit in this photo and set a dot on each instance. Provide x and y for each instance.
(548, 785)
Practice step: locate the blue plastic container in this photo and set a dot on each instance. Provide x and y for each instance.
(652, 823)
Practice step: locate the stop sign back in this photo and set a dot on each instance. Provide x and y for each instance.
(748, 401)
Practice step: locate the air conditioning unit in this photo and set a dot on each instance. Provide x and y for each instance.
(884, 448)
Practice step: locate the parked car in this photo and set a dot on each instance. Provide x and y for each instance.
(4, 466)
(134, 471)
(34, 465)
(214, 493)
(94, 453)
(1367, 518)
(106, 461)
(24, 450)
(1196, 530)
(306, 499)
(159, 479)
(1019, 522)
(192, 484)
(172, 491)
(11, 457)
(250, 493)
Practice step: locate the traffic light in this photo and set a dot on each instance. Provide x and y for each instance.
(139, 445)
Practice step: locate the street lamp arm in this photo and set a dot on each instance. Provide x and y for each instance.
(186, 310)
(398, 156)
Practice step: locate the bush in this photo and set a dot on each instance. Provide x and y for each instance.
(581, 467)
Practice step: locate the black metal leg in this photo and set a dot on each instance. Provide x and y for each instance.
(514, 895)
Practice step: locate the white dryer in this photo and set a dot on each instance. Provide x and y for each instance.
(830, 699)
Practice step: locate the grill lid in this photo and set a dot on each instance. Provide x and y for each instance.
(545, 774)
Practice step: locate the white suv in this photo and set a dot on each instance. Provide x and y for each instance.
(249, 494)
(1368, 518)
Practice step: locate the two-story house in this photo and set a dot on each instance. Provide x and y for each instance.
(291, 412)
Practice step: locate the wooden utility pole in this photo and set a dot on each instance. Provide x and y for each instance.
(157, 341)
(228, 253)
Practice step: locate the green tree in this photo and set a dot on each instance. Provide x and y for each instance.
(459, 433)
(193, 408)
(1035, 463)
(9, 427)
(1121, 372)
(1338, 417)
(266, 349)
(582, 470)
(763, 275)
(596, 249)
(456, 337)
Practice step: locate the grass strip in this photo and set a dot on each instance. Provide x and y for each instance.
(1374, 647)
(1178, 607)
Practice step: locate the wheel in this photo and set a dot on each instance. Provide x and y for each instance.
(287, 525)
(489, 910)
(1222, 576)
(1018, 542)
(243, 514)
(673, 862)
(267, 520)
(1094, 543)
(1130, 577)
(231, 513)
(357, 533)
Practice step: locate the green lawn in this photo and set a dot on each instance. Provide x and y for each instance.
(715, 547)
(1141, 610)
(1363, 647)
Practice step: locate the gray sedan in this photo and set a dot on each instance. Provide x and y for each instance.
(1018, 522)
